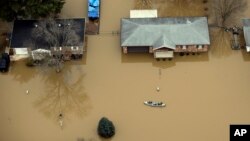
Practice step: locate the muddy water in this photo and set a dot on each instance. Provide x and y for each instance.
(204, 94)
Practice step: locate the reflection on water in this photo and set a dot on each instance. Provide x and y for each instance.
(163, 64)
(245, 55)
(63, 94)
(20, 74)
(220, 43)
(146, 58)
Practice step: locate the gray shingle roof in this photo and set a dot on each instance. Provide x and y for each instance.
(167, 32)
(246, 29)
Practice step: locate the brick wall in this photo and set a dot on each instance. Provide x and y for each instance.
(191, 48)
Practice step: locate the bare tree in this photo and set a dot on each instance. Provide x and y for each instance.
(63, 95)
(55, 34)
(226, 12)
(179, 7)
(226, 15)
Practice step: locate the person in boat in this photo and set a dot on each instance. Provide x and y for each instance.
(150, 102)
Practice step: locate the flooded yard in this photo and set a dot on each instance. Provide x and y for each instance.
(204, 93)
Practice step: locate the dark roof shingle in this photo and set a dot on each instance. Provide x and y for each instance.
(22, 33)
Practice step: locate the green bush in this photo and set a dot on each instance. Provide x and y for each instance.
(106, 128)
(30, 62)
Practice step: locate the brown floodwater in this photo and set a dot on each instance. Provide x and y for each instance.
(204, 93)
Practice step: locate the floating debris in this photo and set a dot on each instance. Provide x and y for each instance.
(61, 122)
(27, 91)
(159, 72)
(158, 89)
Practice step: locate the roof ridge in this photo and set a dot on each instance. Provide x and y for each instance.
(195, 30)
(165, 42)
(131, 34)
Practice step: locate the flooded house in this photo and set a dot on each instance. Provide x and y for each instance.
(163, 37)
(35, 38)
(246, 30)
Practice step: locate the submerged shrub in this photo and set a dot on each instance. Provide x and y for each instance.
(30, 62)
(106, 128)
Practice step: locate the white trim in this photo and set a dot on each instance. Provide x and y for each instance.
(248, 48)
(143, 13)
(21, 51)
(163, 54)
(156, 48)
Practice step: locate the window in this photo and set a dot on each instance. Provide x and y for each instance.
(200, 47)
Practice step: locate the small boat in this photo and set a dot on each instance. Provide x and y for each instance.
(154, 104)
